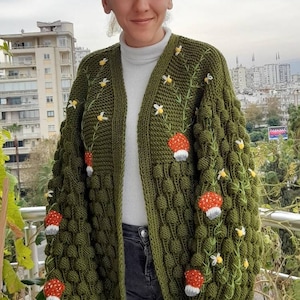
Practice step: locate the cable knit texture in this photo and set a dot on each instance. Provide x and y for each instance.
(199, 183)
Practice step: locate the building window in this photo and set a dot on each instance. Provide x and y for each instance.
(47, 43)
(29, 114)
(51, 128)
(50, 113)
(49, 99)
(13, 73)
(65, 97)
(62, 42)
(47, 56)
(21, 158)
(47, 71)
(14, 101)
(48, 85)
(66, 83)
(12, 144)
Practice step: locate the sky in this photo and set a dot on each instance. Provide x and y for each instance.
(238, 28)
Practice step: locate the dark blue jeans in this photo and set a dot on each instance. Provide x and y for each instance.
(140, 278)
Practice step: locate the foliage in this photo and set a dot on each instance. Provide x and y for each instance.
(15, 225)
(294, 126)
(273, 108)
(279, 168)
(274, 121)
(254, 115)
(36, 172)
(256, 136)
(5, 49)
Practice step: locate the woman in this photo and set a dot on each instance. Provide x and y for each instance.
(154, 194)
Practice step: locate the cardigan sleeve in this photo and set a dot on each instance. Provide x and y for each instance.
(70, 270)
(227, 244)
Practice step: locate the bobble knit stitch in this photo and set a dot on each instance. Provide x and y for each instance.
(190, 97)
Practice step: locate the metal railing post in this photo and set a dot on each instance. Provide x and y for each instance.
(31, 231)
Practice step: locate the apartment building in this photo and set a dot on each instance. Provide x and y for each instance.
(80, 53)
(35, 83)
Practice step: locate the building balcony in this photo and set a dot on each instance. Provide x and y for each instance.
(14, 65)
(31, 121)
(7, 94)
(19, 107)
(20, 76)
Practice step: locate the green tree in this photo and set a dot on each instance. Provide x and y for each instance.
(37, 171)
(5, 49)
(254, 115)
(274, 121)
(273, 108)
(279, 173)
(294, 127)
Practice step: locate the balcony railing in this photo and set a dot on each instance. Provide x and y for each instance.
(31, 215)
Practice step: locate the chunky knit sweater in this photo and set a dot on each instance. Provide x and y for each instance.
(198, 178)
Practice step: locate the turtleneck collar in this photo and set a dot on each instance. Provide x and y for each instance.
(144, 54)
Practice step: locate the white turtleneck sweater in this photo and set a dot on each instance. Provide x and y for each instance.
(138, 64)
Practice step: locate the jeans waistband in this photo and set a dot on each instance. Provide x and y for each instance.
(134, 231)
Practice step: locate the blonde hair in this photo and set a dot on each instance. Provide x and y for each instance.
(113, 26)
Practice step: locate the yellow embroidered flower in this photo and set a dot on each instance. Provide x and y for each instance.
(49, 194)
(178, 50)
(222, 174)
(208, 78)
(216, 259)
(159, 109)
(241, 232)
(103, 61)
(240, 144)
(104, 82)
(253, 174)
(73, 103)
(167, 79)
(246, 263)
(101, 117)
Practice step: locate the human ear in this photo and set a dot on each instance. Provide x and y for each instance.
(170, 4)
(106, 6)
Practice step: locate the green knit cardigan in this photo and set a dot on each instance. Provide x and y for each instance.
(199, 183)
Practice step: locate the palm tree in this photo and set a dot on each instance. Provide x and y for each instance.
(14, 128)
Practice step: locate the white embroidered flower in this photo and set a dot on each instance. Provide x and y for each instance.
(101, 117)
(208, 78)
(240, 144)
(104, 82)
(241, 232)
(216, 259)
(73, 103)
(103, 61)
(159, 109)
(253, 174)
(49, 194)
(178, 50)
(167, 79)
(222, 174)
(246, 263)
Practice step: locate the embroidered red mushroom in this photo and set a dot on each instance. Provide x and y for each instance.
(180, 146)
(53, 289)
(52, 221)
(88, 159)
(193, 282)
(211, 203)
